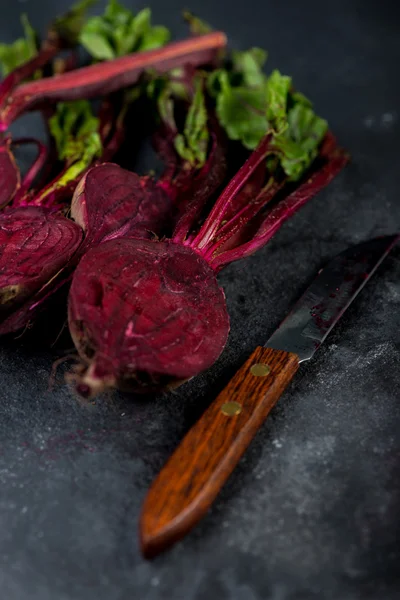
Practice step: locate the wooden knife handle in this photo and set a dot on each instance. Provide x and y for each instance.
(193, 476)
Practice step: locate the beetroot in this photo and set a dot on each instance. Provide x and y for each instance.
(80, 138)
(35, 246)
(110, 201)
(145, 308)
(143, 312)
(132, 327)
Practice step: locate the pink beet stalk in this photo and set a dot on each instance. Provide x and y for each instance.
(62, 33)
(10, 179)
(105, 78)
(57, 191)
(281, 212)
(49, 50)
(220, 208)
(202, 186)
(34, 169)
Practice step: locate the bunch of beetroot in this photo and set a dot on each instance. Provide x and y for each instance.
(121, 48)
(242, 152)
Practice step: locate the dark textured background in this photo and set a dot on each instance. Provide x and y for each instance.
(312, 512)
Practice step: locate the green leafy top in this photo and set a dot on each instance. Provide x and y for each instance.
(249, 104)
(23, 49)
(191, 140)
(240, 95)
(69, 26)
(298, 131)
(76, 132)
(119, 32)
(192, 143)
(163, 91)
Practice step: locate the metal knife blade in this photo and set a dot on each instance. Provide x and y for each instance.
(329, 295)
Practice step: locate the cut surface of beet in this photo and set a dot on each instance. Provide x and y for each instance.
(34, 246)
(140, 311)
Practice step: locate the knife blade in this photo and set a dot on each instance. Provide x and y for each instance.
(195, 473)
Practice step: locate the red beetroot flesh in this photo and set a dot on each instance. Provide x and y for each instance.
(110, 202)
(34, 246)
(143, 313)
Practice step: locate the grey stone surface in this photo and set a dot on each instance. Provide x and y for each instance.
(312, 511)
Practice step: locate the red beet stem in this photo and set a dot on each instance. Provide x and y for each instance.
(286, 208)
(48, 51)
(9, 173)
(106, 118)
(114, 143)
(217, 214)
(113, 136)
(104, 78)
(35, 168)
(50, 168)
(55, 193)
(204, 185)
(237, 223)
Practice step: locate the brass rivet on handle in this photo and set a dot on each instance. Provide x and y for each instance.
(230, 409)
(260, 370)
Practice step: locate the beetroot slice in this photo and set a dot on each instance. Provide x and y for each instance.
(143, 313)
(34, 246)
(110, 201)
(9, 174)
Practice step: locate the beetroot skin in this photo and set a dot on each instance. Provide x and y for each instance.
(110, 201)
(143, 313)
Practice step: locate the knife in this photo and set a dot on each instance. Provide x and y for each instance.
(197, 470)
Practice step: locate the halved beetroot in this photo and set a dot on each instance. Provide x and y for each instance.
(35, 245)
(144, 314)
